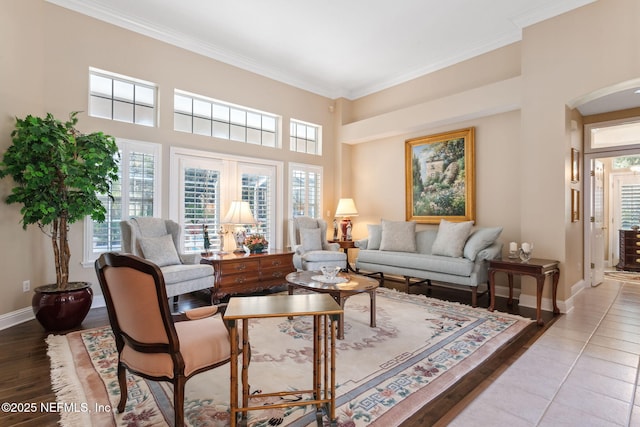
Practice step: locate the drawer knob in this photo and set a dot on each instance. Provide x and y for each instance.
(239, 279)
(277, 274)
(241, 267)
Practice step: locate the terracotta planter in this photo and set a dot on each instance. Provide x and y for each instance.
(59, 310)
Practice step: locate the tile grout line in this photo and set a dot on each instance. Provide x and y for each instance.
(564, 379)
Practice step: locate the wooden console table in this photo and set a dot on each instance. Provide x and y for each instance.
(240, 273)
(536, 267)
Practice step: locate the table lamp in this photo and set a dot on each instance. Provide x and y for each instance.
(346, 208)
(239, 214)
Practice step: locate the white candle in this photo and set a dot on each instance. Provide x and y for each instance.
(526, 247)
(513, 246)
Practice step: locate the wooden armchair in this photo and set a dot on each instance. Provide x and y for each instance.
(150, 342)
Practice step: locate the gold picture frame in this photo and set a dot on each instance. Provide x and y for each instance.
(440, 177)
(575, 205)
(575, 165)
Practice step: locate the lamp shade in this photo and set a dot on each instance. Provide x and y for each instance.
(239, 213)
(346, 207)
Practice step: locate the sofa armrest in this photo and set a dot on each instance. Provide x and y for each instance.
(493, 251)
(332, 247)
(361, 244)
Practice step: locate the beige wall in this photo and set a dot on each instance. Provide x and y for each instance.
(516, 97)
(46, 54)
(523, 144)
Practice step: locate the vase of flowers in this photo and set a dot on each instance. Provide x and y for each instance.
(256, 243)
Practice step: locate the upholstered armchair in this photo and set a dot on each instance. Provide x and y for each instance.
(157, 240)
(312, 251)
(149, 340)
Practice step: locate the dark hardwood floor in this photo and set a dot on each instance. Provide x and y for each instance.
(25, 373)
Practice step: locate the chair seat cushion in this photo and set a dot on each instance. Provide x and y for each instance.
(314, 256)
(183, 272)
(203, 343)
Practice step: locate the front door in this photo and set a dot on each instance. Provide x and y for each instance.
(597, 224)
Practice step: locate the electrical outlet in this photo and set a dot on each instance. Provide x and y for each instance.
(26, 286)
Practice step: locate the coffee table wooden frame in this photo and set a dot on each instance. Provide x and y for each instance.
(339, 292)
(325, 312)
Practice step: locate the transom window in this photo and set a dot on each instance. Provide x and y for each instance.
(305, 137)
(116, 97)
(204, 116)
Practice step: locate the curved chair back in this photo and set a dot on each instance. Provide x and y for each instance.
(136, 299)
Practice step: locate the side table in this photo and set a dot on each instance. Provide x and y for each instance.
(345, 245)
(325, 312)
(536, 267)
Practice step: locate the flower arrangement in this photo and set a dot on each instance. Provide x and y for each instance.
(256, 243)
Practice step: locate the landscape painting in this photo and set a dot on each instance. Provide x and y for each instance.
(440, 177)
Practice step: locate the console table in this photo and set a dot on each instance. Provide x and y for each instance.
(536, 267)
(629, 250)
(240, 273)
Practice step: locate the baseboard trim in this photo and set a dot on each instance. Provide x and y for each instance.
(16, 317)
(25, 314)
(565, 306)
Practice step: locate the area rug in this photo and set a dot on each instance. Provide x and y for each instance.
(420, 347)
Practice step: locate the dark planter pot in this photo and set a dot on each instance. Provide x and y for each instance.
(60, 310)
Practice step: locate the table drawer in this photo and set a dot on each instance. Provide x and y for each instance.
(239, 279)
(239, 266)
(277, 262)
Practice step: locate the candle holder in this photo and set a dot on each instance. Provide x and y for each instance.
(513, 250)
(525, 252)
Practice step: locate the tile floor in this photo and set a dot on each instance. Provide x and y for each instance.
(583, 371)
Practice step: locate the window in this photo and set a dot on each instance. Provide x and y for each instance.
(204, 116)
(305, 137)
(116, 97)
(207, 184)
(136, 193)
(305, 190)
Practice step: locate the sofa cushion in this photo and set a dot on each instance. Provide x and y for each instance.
(398, 236)
(310, 239)
(451, 238)
(421, 262)
(319, 256)
(375, 236)
(160, 250)
(480, 239)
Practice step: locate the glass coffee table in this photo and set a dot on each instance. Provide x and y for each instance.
(347, 285)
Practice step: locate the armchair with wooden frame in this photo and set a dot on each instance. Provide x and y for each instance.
(151, 342)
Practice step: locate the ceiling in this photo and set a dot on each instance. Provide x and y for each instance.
(335, 48)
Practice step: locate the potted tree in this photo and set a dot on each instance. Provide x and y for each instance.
(59, 174)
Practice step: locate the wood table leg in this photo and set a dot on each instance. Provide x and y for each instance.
(245, 367)
(372, 308)
(540, 287)
(492, 288)
(556, 278)
(510, 300)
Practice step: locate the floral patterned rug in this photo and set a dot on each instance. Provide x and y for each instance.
(420, 348)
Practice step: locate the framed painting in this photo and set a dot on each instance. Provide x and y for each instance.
(575, 165)
(440, 177)
(575, 205)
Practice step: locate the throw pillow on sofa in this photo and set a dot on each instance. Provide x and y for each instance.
(451, 238)
(375, 236)
(480, 239)
(160, 250)
(398, 236)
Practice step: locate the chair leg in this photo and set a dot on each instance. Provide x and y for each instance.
(178, 400)
(122, 382)
(175, 300)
